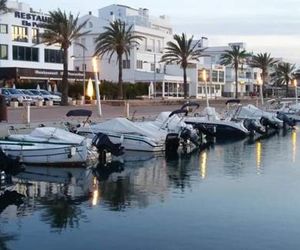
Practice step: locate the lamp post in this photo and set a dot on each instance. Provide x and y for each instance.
(95, 68)
(260, 82)
(83, 70)
(296, 90)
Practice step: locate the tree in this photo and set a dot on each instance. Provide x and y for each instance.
(234, 58)
(3, 6)
(182, 52)
(117, 39)
(63, 30)
(283, 74)
(264, 62)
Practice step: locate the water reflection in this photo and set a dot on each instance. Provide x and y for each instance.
(57, 192)
(258, 156)
(294, 145)
(203, 164)
(134, 185)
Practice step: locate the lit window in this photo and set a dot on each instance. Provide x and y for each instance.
(3, 29)
(3, 52)
(19, 34)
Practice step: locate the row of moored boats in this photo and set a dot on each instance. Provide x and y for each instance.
(183, 130)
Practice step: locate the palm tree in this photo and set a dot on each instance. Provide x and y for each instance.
(118, 39)
(63, 30)
(182, 52)
(264, 62)
(3, 6)
(234, 58)
(283, 74)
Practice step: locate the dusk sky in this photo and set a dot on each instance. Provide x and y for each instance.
(265, 25)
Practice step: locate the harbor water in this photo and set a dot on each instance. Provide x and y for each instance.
(233, 195)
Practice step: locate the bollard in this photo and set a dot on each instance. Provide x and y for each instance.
(126, 109)
(3, 109)
(26, 112)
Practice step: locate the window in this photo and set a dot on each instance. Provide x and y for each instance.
(255, 75)
(221, 76)
(20, 34)
(215, 76)
(90, 25)
(199, 90)
(35, 35)
(21, 53)
(139, 64)
(53, 56)
(3, 52)
(248, 75)
(3, 29)
(126, 64)
(152, 67)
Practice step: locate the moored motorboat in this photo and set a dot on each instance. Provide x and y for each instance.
(49, 146)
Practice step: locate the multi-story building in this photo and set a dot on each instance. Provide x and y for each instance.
(143, 63)
(22, 57)
(247, 76)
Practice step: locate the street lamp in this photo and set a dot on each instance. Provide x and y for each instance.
(296, 89)
(95, 69)
(260, 83)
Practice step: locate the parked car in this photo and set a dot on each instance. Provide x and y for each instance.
(15, 95)
(47, 96)
(60, 94)
(35, 98)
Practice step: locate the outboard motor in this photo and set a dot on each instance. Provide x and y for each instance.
(187, 134)
(209, 131)
(254, 126)
(269, 123)
(286, 120)
(172, 143)
(104, 145)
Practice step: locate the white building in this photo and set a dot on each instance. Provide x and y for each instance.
(247, 76)
(143, 65)
(22, 58)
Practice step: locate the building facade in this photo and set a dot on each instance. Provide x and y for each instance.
(143, 64)
(22, 57)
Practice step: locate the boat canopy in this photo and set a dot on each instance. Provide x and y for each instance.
(49, 134)
(121, 125)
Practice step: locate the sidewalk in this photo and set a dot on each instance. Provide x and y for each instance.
(138, 109)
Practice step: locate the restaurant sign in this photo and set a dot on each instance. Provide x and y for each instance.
(31, 19)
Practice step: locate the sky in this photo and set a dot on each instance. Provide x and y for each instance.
(264, 25)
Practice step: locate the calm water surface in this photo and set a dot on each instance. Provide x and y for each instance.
(240, 195)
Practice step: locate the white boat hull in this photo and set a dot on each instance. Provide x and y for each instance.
(133, 142)
(45, 154)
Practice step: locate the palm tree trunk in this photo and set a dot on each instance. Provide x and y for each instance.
(236, 68)
(287, 87)
(264, 82)
(65, 83)
(185, 86)
(120, 80)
